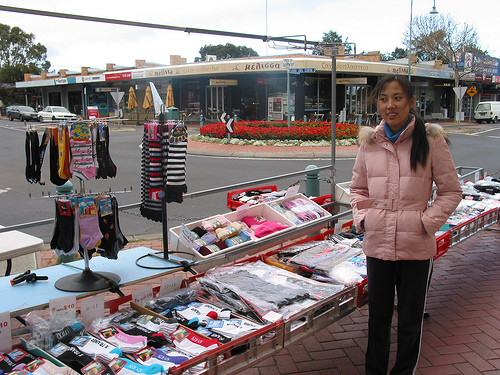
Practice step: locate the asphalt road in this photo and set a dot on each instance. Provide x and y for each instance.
(22, 202)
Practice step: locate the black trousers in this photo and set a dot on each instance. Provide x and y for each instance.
(410, 279)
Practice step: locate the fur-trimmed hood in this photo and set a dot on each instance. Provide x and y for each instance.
(366, 133)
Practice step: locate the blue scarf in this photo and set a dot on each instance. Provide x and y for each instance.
(394, 137)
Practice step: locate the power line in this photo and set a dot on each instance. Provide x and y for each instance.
(264, 38)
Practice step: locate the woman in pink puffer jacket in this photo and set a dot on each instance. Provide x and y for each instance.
(391, 187)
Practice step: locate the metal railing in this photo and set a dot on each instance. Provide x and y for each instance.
(197, 194)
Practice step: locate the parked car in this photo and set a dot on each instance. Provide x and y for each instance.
(21, 112)
(487, 111)
(55, 113)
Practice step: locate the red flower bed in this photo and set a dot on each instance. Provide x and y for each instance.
(266, 130)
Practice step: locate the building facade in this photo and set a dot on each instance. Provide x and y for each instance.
(254, 88)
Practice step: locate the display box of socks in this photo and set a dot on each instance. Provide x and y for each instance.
(299, 209)
(223, 233)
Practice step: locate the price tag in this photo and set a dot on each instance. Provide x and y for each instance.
(64, 306)
(242, 211)
(170, 284)
(292, 191)
(338, 228)
(272, 317)
(142, 295)
(186, 235)
(5, 332)
(91, 309)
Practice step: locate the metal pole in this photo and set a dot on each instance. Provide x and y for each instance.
(334, 123)
(409, 47)
(288, 95)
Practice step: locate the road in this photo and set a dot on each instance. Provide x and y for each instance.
(16, 205)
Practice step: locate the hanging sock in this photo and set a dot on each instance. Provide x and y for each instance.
(43, 147)
(54, 158)
(64, 153)
(63, 235)
(113, 239)
(152, 180)
(103, 170)
(109, 162)
(175, 166)
(90, 234)
(83, 166)
(29, 162)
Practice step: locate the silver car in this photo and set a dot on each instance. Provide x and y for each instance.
(55, 113)
(21, 112)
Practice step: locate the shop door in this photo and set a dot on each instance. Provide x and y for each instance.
(215, 101)
(75, 102)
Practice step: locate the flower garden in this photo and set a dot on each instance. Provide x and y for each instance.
(277, 133)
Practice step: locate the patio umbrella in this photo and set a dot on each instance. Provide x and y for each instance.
(132, 100)
(170, 97)
(158, 103)
(148, 99)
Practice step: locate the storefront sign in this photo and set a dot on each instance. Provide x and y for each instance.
(93, 112)
(352, 81)
(118, 76)
(223, 82)
(267, 81)
(37, 83)
(94, 78)
(106, 89)
(138, 74)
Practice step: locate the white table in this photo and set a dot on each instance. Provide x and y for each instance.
(15, 244)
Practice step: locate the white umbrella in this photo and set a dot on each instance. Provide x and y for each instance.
(158, 103)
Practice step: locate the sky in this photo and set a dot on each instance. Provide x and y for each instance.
(371, 25)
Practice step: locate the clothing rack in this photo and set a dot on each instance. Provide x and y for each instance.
(75, 194)
(87, 280)
(164, 216)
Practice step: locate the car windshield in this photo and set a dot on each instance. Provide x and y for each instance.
(26, 109)
(483, 107)
(59, 109)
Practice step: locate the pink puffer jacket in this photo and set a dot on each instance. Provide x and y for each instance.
(392, 200)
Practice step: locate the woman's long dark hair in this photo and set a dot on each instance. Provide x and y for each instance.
(420, 146)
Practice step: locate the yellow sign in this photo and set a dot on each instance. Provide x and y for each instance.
(471, 91)
(223, 82)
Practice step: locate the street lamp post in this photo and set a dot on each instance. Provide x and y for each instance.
(433, 11)
(409, 44)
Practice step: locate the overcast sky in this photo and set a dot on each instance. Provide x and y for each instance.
(372, 25)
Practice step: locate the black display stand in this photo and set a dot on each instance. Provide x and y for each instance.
(87, 280)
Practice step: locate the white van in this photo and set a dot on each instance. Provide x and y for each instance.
(487, 111)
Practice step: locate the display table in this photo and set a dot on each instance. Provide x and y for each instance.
(37, 295)
(15, 244)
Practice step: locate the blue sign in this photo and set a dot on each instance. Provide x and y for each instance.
(302, 70)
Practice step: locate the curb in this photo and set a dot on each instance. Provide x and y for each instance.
(271, 155)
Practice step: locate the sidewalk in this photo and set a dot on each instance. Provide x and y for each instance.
(461, 336)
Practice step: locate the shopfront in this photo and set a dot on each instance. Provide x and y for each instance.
(245, 88)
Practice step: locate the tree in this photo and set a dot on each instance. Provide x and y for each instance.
(224, 52)
(442, 38)
(399, 53)
(19, 55)
(331, 37)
